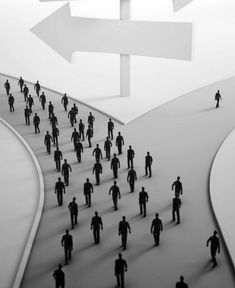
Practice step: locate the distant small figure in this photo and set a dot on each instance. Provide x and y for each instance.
(37, 88)
(130, 157)
(43, 100)
(143, 199)
(79, 150)
(65, 101)
(59, 277)
(98, 153)
(119, 142)
(27, 113)
(96, 225)
(89, 134)
(110, 129)
(123, 230)
(25, 92)
(131, 178)
(88, 189)
(65, 172)
(36, 122)
(53, 120)
(58, 156)
(181, 283)
(148, 165)
(75, 137)
(91, 120)
(81, 129)
(75, 110)
(119, 270)
(156, 229)
(115, 194)
(73, 209)
(11, 101)
(98, 170)
(107, 147)
(21, 84)
(59, 190)
(47, 142)
(72, 117)
(115, 165)
(178, 187)
(176, 204)
(30, 102)
(55, 135)
(217, 98)
(215, 247)
(7, 87)
(67, 243)
(50, 109)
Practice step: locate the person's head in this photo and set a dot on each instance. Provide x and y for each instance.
(57, 148)
(120, 255)
(148, 153)
(74, 199)
(65, 160)
(218, 91)
(59, 179)
(114, 155)
(74, 129)
(215, 233)
(115, 182)
(119, 133)
(80, 120)
(97, 145)
(60, 266)
(178, 178)
(123, 218)
(29, 95)
(87, 179)
(36, 114)
(37, 81)
(47, 132)
(49, 102)
(181, 278)
(110, 119)
(156, 215)
(142, 188)
(74, 104)
(96, 213)
(43, 93)
(65, 94)
(10, 94)
(132, 167)
(20, 77)
(90, 113)
(107, 138)
(67, 231)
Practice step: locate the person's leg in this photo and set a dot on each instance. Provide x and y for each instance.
(178, 216)
(146, 170)
(122, 280)
(118, 279)
(89, 200)
(144, 208)
(173, 215)
(66, 255)
(71, 219)
(141, 210)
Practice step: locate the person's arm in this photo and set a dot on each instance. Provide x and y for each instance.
(92, 189)
(122, 141)
(101, 169)
(125, 265)
(172, 187)
(101, 223)
(151, 229)
(127, 178)
(208, 241)
(93, 169)
(110, 190)
(61, 155)
(147, 197)
(218, 246)
(129, 228)
(93, 152)
(181, 189)
(161, 225)
(70, 168)
(55, 188)
(119, 164)
(119, 193)
(135, 176)
(101, 154)
(62, 241)
(64, 188)
(91, 223)
(82, 148)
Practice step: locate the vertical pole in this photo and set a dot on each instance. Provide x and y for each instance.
(125, 7)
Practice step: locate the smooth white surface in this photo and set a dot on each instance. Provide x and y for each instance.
(179, 4)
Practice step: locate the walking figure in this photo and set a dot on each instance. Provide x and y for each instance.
(143, 199)
(67, 243)
(25, 92)
(119, 142)
(131, 178)
(50, 109)
(72, 117)
(96, 225)
(7, 87)
(55, 134)
(36, 122)
(178, 187)
(115, 165)
(59, 277)
(214, 247)
(176, 204)
(89, 134)
(53, 120)
(181, 283)
(37, 88)
(75, 137)
(30, 102)
(47, 142)
(21, 84)
(107, 147)
(73, 209)
(75, 110)
(156, 229)
(115, 194)
(91, 120)
(217, 98)
(98, 170)
(130, 157)
(79, 150)
(65, 101)
(148, 165)
(65, 171)
(98, 153)
(11, 101)
(88, 189)
(81, 128)
(123, 230)
(58, 156)
(43, 100)
(110, 129)
(59, 190)
(119, 270)
(27, 113)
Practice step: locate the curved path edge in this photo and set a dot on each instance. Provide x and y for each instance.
(29, 242)
(221, 194)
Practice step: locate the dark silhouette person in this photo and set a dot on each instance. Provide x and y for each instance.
(73, 209)
(130, 157)
(59, 277)
(43, 100)
(59, 190)
(37, 88)
(47, 142)
(89, 135)
(131, 178)
(178, 187)
(87, 190)
(98, 170)
(50, 109)
(7, 86)
(25, 92)
(217, 98)
(119, 142)
(27, 114)
(75, 137)
(72, 117)
(81, 129)
(143, 199)
(96, 225)
(176, 204)
(36, 122)
(79, 150)
(123, 230)
(107, 147)
(66, 168)
(58, 156)
(97, 153)
(65, 101)
(53, 120)
(115, 194)
(115, 165)
(30, 102)
(214, 247)
(75, 110)
(21, 84)
(91, 120)
(156, 229)
(55, 135)
(110, 129)
(11, 101)
(119, 270)
(148, 164)
(181, 283)
(67, 243)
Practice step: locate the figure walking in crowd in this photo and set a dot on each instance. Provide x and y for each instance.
(27, 113)
(176, 204)
(110, 129)
(43, 100)
(21, 84)
(58, 156)
(74, 137)
(97, 153)
(67, 243)
(66, 168)
(36, 122)
(72, 117)
(30, 102)
(89, 134)
(119, 270)
(50, 109)
(7, 86)
(73, 209)
(98, 170)
(119, 142)
(181, 283)
(55, 135)
(75, 110)
(107, 147)
(37, 88)
(11, 101)
(65, 101)
(96, 225)
(217, 98)
(131, 178)
(156, 229)
(25, 92)
(214, 247)
(123, 230)
(91, 120)
(88, 189)
(59, 190)
(130, 157)
(59, 277)
(178, 187)
(115, 194)
(115, 165)
(79, 150)
(143, 199)
(53, 120)
(47, 142)
(148, 165)
(81, 129)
